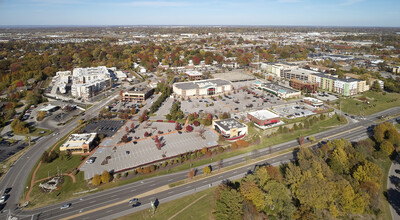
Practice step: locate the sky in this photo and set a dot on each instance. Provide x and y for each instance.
(381, 13)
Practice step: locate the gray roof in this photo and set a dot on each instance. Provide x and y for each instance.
(229, 123)
(277, 87)
(199, 84)
(323, 75)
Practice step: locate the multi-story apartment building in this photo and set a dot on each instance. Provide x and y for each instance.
(88, 82)
(345, 87)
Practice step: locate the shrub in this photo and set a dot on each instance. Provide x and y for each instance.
(146, 170)
(189, 128)
(105, 176)
(96, 180)
(242, 143)
(196, 123)
(204, 150)
(220, 149)
(206, 170)
(234, 145)
(165, 164)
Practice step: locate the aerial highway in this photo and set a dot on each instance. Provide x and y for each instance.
(113, 203)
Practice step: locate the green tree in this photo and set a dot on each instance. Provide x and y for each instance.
(251, 192)
(379, 132)
(368, 171)
(277, 199)
(387, 147)
(228, 203)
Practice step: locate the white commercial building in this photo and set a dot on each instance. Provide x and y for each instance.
(206, 87)
(230, 128)
(313, 101)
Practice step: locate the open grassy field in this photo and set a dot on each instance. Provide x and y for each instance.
(38, 198)
(201, 209)
(378, 101)
(64, 165)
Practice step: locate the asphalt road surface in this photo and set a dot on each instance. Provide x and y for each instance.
(104, 201)
(17, 175)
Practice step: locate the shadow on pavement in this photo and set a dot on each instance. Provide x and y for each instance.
(394, 199)
(394, 180)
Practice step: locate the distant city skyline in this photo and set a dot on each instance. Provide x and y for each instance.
(384, 13)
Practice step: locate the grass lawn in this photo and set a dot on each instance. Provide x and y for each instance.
(40, 132)
(39, 198)
(37, 132)
(202, 209)
(378, 102)
(65, 165)
(385, 165)
(397, 126)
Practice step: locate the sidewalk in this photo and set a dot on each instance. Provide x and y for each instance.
(393, 189)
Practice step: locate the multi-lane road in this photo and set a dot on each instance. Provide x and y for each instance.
(113, 203)
(19, 172)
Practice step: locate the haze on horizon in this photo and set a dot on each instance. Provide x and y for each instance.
(379, 13)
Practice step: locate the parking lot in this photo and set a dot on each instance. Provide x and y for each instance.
(152, 128)
(106, 127)
(145, 151)
(325, 96)
(295, 111)
(238, 101)
(163, 110)
(7, 149)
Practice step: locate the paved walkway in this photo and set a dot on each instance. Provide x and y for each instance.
(393, 189)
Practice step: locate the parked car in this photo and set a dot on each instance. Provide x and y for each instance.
(3, 199)
(90, 160)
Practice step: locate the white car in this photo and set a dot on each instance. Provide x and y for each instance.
(3, 199)
(65, 206)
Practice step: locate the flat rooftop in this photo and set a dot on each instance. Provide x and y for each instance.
(278, 88)
(48, 108)
(76, 140)
(312, 100)
(322, 75)
(200, 84)
(229, 123)
(194, 73)
(234, 76)
(141, 89)
(263, 114)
